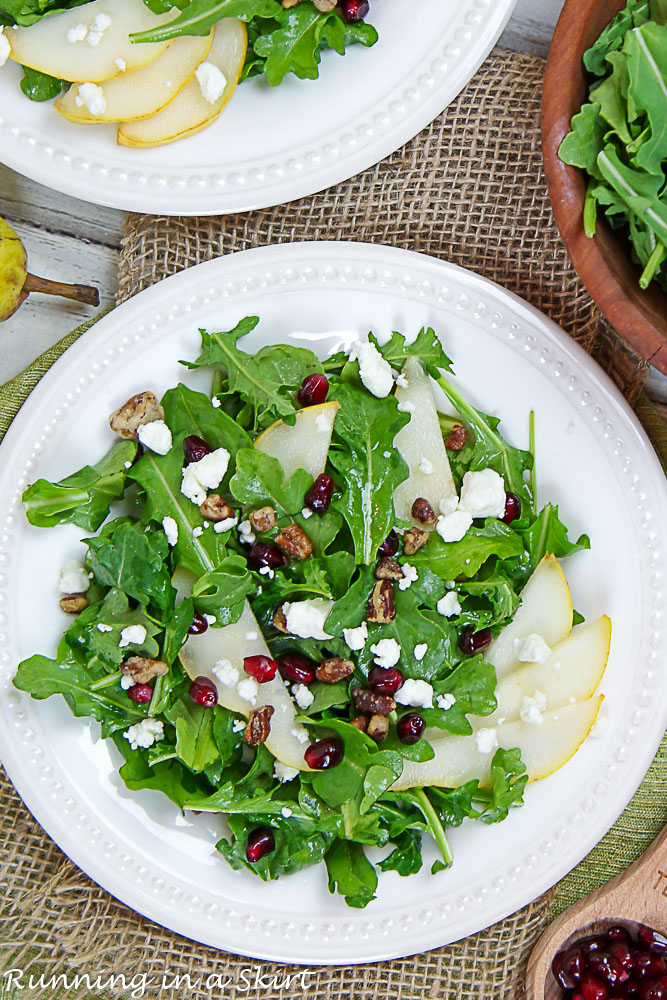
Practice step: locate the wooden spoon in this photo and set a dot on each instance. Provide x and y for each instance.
(638, 894)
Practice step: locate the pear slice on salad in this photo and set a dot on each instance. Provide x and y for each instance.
(544, 748)
(69, 46)
(190, 111)
(145, 90)
(545, 610)
(572, 672)
(305, 444)
(421, 444)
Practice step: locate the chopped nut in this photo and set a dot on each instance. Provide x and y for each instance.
(259, 725)
(381, 606)
(334, 670)
(414, 539)
(422, 511)
(369, 701)
(294, 541)
(457, 438)
(142, 670)
(263, 519)
(73, 604)
(388, 569)
(214, 508)
(279, 620)
(360, 722)
(378, 728)
(140, 409)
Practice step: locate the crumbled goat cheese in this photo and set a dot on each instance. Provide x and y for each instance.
(426, 466)
(126, 682)
(246, 534)
(226, 525)
(215, 402)
(355, 638)
(156, 436)
(306, 618)
(483, 494)
(299, 733)
(134, 634)
(420, 651)
(101, 627)
(238, 726)
(486, 740)
(452, 527)
(212, 81)
(445, 701)
(406, 407)
(226, 673)
(531, 708)
(386, 454)
(127, 465)
(448, 606)
(121, 64)
(303, 696)
(144, 733)
(306, 513)
(96, 30)
(73, 579)
(402, 381)
(267, 571)
(410, 576)
(248, 689)
(374, 371)
(197, 531)
(77, 33)
(419, 694)
(532, 649)
(450, 584)
(170, 529)
(447, 505)
(322, 423)
(286, 812)
(251, 636)
(283, 772)
(206, 474)
(211, 619)
(387, 652)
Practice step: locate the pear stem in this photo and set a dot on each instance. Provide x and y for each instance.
(80, 293)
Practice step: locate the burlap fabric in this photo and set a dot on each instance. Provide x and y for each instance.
(468, 189)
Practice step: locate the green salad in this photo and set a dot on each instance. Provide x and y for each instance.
(289, 598)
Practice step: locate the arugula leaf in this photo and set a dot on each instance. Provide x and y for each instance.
(473, 684)
(350, 873)
(547, 533)
(125, 556)
(169, 777)
(611, 38)
(200, 15)
(425, 346)
(259, 479)
(222, 592)
(195, 744)
(176, 630)
(188, 412)
(406, 858)
(26, 12)
(40, 86)
(298, 846)
(448, 560)
(84, 636)
(508, 783)
(640, 191)
(349, 611)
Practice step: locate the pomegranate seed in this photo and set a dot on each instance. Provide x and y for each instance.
(591, 944)
(353, 10)
(655, 942)
(631, 988)
(474, 642)
(619, 933)
(262, 668)
(512, 508)
(389, 546)
(318, 497)
(260, 842)
(607, 968)
(199, 624)
(649, 966)
(325, 753)
(264, 554)
(314, 389)
(296, 667)
(410, 727)
(140, 694)
(195, 448)
(593, 988)
(653, 991)
(567, 968)
(385, 680)
(622, 954)
(203, 692)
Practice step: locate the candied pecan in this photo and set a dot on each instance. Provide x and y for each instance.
(142, 670)
(360, 722)
(334, 670)
(73, 604)
(369, 701)
(381, 606)
(140, 409)
(388, 569)
(414, 539)
(259, 725)
(214, 508)
(263, 519)
(294, 542)
(457, 438)
(378, 728)
(279, 620)
(422, 511)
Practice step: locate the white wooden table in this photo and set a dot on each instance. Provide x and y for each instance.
(71, 241)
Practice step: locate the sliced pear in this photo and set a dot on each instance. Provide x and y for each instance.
(571, 674)
(545, 609)
(421, 444)
(190, 111)
(44, 45)
(544, 748)
(304, 445)
(144, 91)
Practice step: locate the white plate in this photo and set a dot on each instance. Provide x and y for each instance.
(592, 458)
(270, 145)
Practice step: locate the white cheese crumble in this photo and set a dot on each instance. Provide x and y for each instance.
(532, 649)
(246, 534)
(96, 30)
(92, 96)
(212, 81)
(267, 571)
(374, 371)
(406, 407)
(486, 740)
(286, 812)
(144, 733)
(306, 618)
(483, 494)
(206, 474)
(306, 513)
(426, 466)
(452, 527)
(531, 708)
(197, 531)
(248, 689)
(77, 33)
(356, 638)
(445, 701)
(386, 454)
(387, 652)
(121, 64)
(447, 505)
(127, 465)
(211, 619)
(448, 606)
(402, 381)
(170, 529)
(226, 525)
(126, 682)
(299, 733)
(156, 436)
(101, 627)
(238, 726)
(134, 634)
(322, 423)
(283, 772)
(420, 651)
(419, 694)
(303, 696)
(73, 579)
(226, 672)
(216, 403)
(410, 576)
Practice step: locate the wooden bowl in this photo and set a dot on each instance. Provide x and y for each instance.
(603, 263)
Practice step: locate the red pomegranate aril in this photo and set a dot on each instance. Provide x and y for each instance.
(607, 968)
(591, 944)
(622, 954)
(512, 508)
(199, 624)
(562, 976)
(265, 554)
(314, 389)
(203, 692)
(354, 10)
(619, 933)
(140, 694)
(646, 965)
(262, 668)
(296, 667)
(385, 680)
(325, 754)
(593, 988)
(652, 940)
(631, 988)
(390, 545)
(652, 990)
(474, 642)
(574, 963)
(318, 497)
(410, 727)
(260, 842)
(195, 448)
